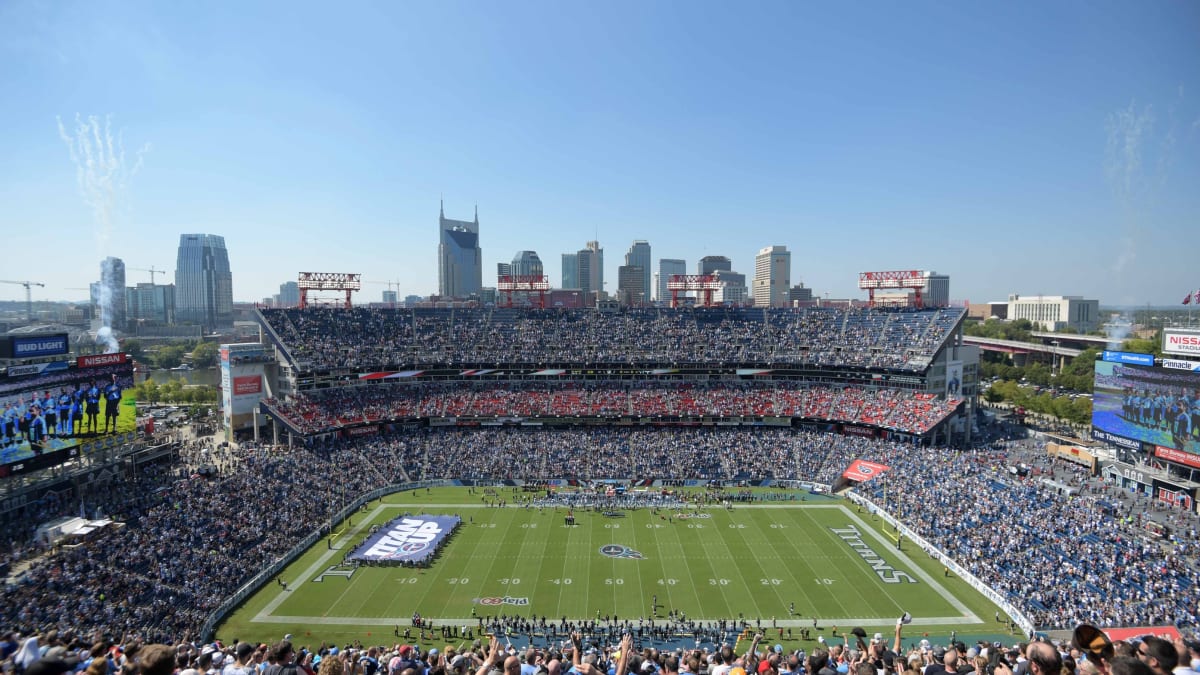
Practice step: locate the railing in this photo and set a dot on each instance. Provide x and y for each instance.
(975, 582)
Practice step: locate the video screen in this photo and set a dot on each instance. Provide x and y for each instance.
(51, 412)
(1149, 404)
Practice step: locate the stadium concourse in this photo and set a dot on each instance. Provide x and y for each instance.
(189, 544)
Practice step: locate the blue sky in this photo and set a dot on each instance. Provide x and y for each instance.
(1026, 147)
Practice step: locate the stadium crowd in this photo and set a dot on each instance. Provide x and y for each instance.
(363, 338)
(190, 542)
(329, 409)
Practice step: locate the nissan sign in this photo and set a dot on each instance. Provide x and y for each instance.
(1180, 341)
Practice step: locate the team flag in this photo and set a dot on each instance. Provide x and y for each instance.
(862, 470)
(1187, 299)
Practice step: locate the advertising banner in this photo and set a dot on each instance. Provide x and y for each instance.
(407, 539)
(37, 368)
(28, 346)
(1129, 357)
(101, 360)
(858, 431)
(954, 375)
(1173, 455)
(862, 470)
(244, 386)
(1181, 341)
(1180, 364)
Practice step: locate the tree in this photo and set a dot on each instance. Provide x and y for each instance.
(169, 356)
(205, 355)
(150, 391)
(134, 348)
(1140, 346)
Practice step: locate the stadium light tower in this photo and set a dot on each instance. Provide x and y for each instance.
(28, 296)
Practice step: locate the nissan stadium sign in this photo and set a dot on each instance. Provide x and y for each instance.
(1181, 341)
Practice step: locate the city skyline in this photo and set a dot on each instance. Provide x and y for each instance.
(1019, 148)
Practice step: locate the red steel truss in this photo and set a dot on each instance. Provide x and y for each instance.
(910, 279)
(704, 283)
(328, 281)
(507, 284)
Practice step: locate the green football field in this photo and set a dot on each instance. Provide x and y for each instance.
(835, 563)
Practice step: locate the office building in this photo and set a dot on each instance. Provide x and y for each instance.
(733, 289)
(150, 304)
(289, 294)
(203, 282)
(800, 294)
(389, 298)
(936, 292)
(108, 295)
(460, 259)
(639, 255)
(772, 277)
(526, 263)
(630, 292)
(570, 271)
(503, 270)
(713, 263)
(667, 267)
(590, 269)
(1056, 312)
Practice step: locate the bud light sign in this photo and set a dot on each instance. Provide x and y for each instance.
(407, 539)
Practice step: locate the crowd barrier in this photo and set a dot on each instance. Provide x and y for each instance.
(975, 582)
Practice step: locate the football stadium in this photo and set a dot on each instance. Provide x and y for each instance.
(691, 476)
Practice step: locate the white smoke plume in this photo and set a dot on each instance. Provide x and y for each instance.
(102, 174)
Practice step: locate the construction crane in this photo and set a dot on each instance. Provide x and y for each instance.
(151, 270)
(392, 285)
(28, 296)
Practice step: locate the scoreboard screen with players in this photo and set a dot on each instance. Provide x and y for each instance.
(53, 412)
(1149, 409)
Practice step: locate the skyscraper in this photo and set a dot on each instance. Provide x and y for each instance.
(289, 294)
(711, 263)
(460, 260)
(570, 270)
(203, 282)
(526, 263)
(629, 285)
(772, 277)
(590, 268)
(667, 267)
(109, 294)
(151, 303)
(639, 255)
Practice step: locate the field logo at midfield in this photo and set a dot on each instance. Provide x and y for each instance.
(619, 551)
(506, 600)
(684, 516)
